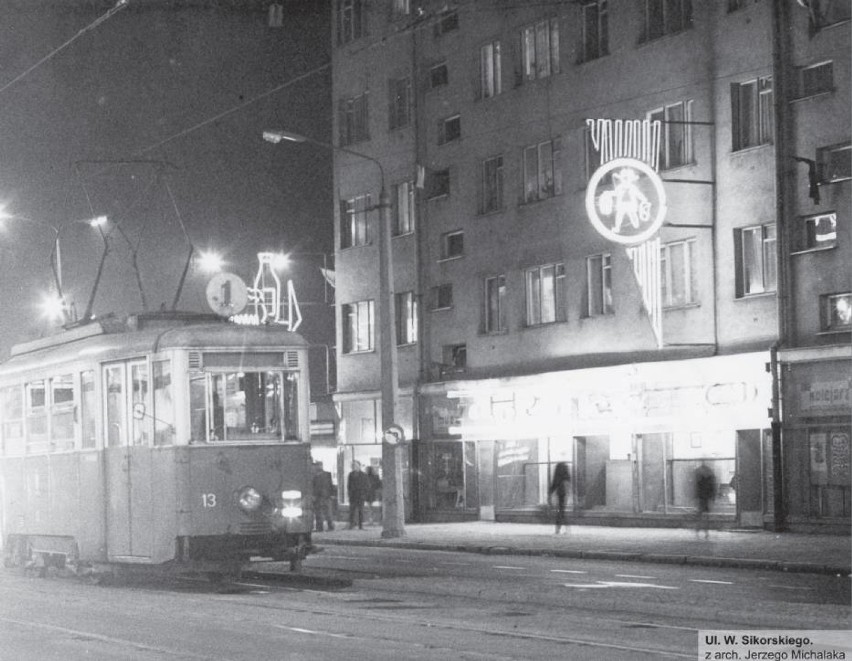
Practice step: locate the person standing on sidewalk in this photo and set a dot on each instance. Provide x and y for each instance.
(358, 489)
(323, 489)
(705, 492)
(560, 484)
(375, 494)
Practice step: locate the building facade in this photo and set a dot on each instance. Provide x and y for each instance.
(527, 337)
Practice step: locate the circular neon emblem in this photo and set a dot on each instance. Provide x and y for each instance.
(626, 201)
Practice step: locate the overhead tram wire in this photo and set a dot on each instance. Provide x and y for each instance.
(121, 4)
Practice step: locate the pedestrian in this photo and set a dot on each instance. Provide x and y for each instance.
(323, 489)
(374, 497)
(560, 485)
(705, 492)
(357, 488)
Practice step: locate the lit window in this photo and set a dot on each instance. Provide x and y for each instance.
(358, 324)
(818, 232)
(275, 19)
(353, 221)
(675, 135)
(816, 79)
(492, 185)
(164, 411)
(403, 208)
(353, 120)
(350, 20)
(442, 297)
(540, 49)
(599, 285)
(752, 113)
(452, 245)
(837, 312)
(438, 75)
(490, 68)
(495, 304)
(401, 8)
(406, 318)
(542, 170)
(677, 273)
(545, 287)
(835, 163)
(666, 17)
(756, 263)
(399, 109)
(595, 26)
(449, 129)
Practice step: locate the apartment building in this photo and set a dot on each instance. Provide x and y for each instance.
(526, 333)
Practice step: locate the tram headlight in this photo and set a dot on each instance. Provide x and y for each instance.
(291, 504)
(249, 499)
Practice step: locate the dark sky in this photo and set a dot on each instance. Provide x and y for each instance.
(165, 96)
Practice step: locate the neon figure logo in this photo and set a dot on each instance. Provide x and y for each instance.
(626, 201)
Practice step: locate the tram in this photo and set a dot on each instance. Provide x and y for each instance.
(173, 441)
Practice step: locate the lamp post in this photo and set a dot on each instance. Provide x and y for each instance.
(393, 506)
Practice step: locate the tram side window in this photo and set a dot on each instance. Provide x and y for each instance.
(36, 417)
(164, 412)
(141, 419)
(88, 408)
(62, 413)
(198, 407)
(12, 407)
(115, 405)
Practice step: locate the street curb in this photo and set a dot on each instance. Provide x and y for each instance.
(658, 558)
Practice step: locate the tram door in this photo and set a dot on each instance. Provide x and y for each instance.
(128, 461)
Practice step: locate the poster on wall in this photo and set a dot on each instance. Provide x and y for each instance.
(840, 458)
(819, 464)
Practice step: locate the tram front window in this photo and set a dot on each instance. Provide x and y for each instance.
(245, 406)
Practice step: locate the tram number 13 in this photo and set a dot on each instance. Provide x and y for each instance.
(208, 500)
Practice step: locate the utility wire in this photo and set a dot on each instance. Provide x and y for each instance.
(121, 4)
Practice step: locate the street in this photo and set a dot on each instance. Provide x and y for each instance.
(405, 604)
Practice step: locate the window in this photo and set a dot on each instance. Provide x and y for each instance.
(353, 118)
(492, 185)
(664, 17)
(442, 297)
(542, 170)
(599, 285)
(358, 324)
(545, 294)
(449, 129)
(675, 135)
(835, 163)
(438, 75)
(276, 15)
(351, 23)
(455, 357)
(62, 412)
(734, 5)
(116, 405)
(140, 432)
(751, 113)
(595, 30)
(12, 409)
(401, 8)
(439, 183)
(818, 232)
(88, 409)
(403, 208)
(540, 49)
(164, 412)
(353, 221)
(495, 304)
(406, 318)
(756, 271)
(490, 70)
(399, 106)
(837, 312)
(447, 22)
(452, 245)
(815, 79)
(677, 273)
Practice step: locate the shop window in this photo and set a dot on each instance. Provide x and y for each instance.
(540, 49)
(521, 475)
(756, 271)
(358, 324)
(664, 17)
(676, 134)
(545, 294)
(491, 185)
(817, 232)
(452, 245)
(495, 304)
(354, 228)
(406, 318)
(399, 103)
(835, 163)
(598, 285)
(837, 312)
(542, 170)
(829, 471)
(450, 475)
(752, 113)
(595, 30)
(403, 208)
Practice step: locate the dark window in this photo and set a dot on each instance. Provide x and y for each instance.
(595, 27)
(351, 23)
(448, 21)
(353, 119)
(816, 79)
(837, 312)
(455, 357)
(542, 170)
(752, 113)
(399, 103)
(439, 183)
(664, 17)
(438, 75)
(675, 134)
(442, 297)
(492, 185)
(835, 163)
(452, 245)
(495, 304)
(449, 129)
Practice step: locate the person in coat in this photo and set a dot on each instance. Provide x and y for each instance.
(323, 489)
(358, 490)
(560, 485)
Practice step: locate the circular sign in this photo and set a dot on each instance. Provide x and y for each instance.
(626, 201)
(227, 294)
(393, 435)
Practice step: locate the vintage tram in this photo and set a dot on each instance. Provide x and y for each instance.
(167, 440)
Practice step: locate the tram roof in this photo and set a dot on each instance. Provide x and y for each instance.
(111, 339)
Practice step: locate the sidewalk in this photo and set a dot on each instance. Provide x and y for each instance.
(795, 552)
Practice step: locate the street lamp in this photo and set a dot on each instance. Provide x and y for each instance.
(393, 510)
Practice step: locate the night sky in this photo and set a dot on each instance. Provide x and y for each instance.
(154, 117)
